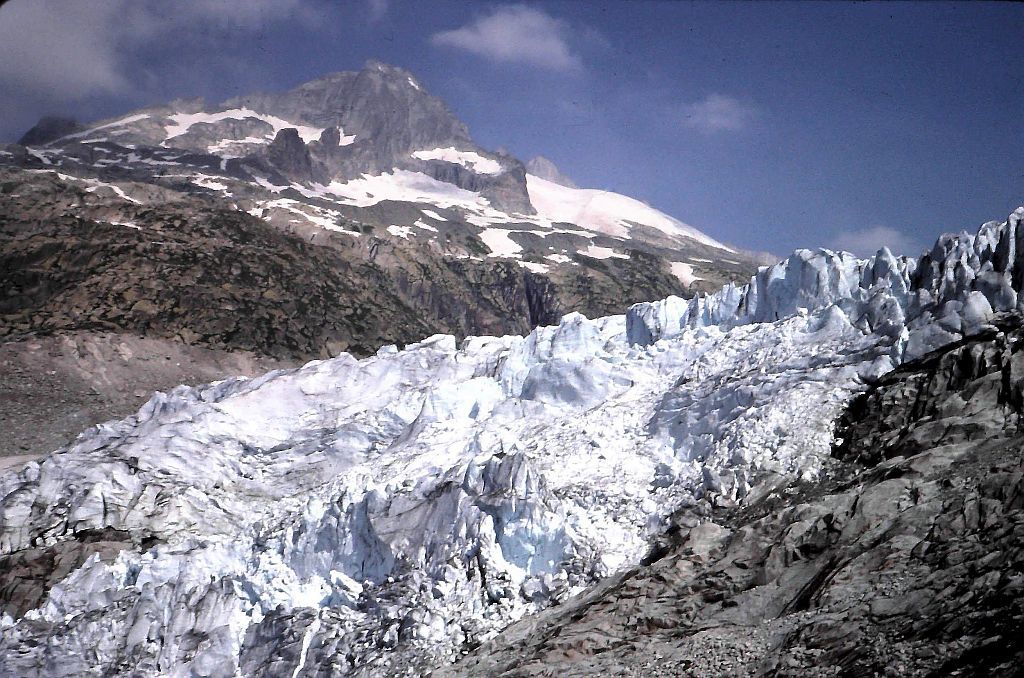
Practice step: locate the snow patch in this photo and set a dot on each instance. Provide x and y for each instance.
(208, 182)
(129, 224)
(41, 156)
(116, 123)
(558, 258)
(684, 272)
(535, 266)
(468, 159)
(93, 185)
(433, 215)
(319, 216)
(400, 231)
(182, 122)
(595, 252)
(499, 242)
(399, 186)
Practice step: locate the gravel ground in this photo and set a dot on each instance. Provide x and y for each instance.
(53, 387)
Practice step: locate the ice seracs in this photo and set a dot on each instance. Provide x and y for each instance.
(410, 502)
(376, 516)
(950, 291)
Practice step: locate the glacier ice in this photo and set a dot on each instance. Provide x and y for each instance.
(379, 516)
(951, 290)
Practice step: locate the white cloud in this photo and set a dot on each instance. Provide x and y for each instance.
(63, 50)
(718, 112)
(515, 34)
(866, 242)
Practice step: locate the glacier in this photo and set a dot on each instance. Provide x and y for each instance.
(383, 516)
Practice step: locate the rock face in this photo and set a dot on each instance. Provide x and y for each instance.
(680, 506)
(969, 390)
(907, 562)
(49, 129)
(355, 140)
(289, 155)
(207, 276)
(545, 169)
(383, 107)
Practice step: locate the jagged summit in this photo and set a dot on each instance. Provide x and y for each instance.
(381, 104)
(373, 139)
(539, 166)
(49, 129)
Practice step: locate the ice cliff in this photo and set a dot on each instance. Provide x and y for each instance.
(381, 516)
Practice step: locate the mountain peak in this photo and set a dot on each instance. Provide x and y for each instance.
(48, 129)
(389, 70)
(540, 166)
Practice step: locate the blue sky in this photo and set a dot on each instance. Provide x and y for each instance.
(768, 125)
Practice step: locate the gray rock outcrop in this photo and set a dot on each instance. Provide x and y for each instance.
(289, 154)
(540, 166)
(49, 129)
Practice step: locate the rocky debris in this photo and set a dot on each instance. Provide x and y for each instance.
(52, 387)
(907, 562)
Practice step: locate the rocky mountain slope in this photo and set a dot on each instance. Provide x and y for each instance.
(392, 515)
(370, 155)
(348, 213)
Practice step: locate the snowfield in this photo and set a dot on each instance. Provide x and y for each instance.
(379, 516)
(181, 123)
(605, 212)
